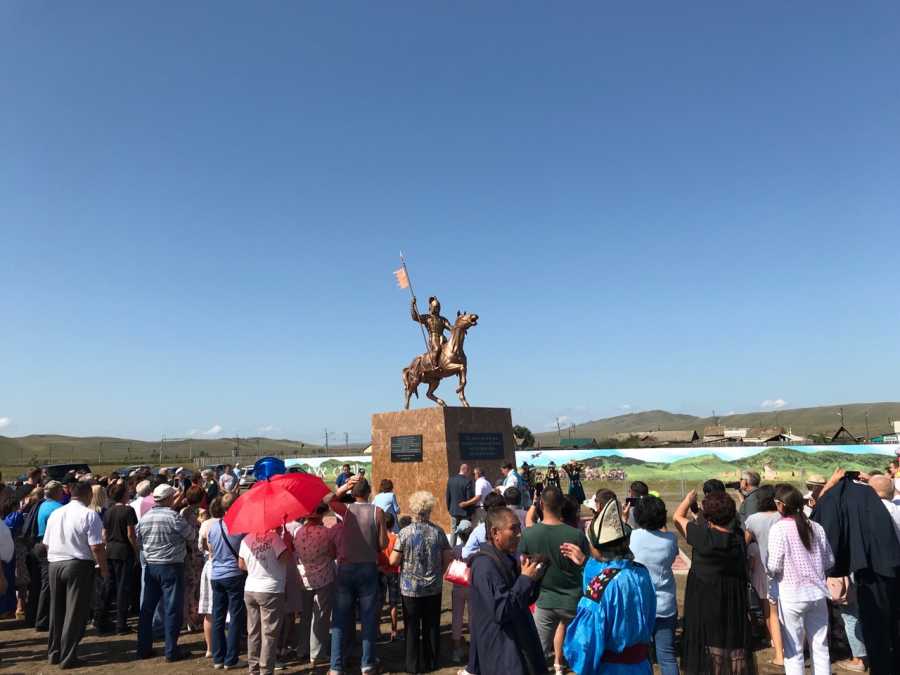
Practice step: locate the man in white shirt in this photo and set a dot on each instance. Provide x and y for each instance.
(483, 488)
(74, 540)
(884, 488)
(140, 503)
(264, 558)
(513, 479)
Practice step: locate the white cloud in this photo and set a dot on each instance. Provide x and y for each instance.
(266, 429)
(773, 404)
(5, 422)
(213, 430)
(625, 406)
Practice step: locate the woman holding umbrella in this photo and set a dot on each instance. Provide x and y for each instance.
(264, 555)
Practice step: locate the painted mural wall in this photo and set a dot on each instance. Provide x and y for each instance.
(774, 463)
(695, 463)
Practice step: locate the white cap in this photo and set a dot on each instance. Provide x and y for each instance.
(163, 492)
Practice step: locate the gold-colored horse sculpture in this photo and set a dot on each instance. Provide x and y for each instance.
(452, 361)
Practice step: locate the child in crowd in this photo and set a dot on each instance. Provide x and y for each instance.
(459, 595)
(389, 575)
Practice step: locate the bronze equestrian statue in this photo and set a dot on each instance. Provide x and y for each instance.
(443, 358)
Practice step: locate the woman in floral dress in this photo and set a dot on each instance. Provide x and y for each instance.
(193, 561)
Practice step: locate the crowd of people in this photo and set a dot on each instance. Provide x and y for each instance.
(548, 580)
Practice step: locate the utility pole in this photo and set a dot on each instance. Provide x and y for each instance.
(867, 426)
(100, 453)
(346, 440)
(559, 431)
(326, 439)
(162, 444)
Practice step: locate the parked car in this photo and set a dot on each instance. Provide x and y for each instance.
(60, 471)
(125, 471)
(247, 478)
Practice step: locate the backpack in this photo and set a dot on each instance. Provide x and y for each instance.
(30, 525)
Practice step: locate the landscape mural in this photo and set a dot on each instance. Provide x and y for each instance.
(791, 462)
(774, 463)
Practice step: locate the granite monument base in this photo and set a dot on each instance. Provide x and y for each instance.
(420, 449)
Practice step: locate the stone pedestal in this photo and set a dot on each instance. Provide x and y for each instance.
(421, 449)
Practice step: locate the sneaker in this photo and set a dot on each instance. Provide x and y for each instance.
(240, 665)
(218, 666)
(280, 666)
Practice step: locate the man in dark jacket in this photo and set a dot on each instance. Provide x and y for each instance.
(861, 534)
(504, 637)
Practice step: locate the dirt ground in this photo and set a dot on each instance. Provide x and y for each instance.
(24, 651)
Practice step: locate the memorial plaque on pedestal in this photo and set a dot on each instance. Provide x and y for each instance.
(406, 448)
(421, 449)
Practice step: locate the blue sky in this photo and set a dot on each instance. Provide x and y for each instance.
(679, 207)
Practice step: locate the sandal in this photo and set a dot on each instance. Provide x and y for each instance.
(559, 669)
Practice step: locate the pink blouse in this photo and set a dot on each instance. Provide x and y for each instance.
(800, 573)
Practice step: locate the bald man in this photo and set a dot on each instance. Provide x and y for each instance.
(884, 488)
(461, 500)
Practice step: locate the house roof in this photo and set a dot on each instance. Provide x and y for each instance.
(714, 431)
(681, 436)
(843, 432)
(765, 433)
(576, 442)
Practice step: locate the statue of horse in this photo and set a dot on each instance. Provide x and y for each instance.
(452, 362)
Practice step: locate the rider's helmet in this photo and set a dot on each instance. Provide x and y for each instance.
(434, 303)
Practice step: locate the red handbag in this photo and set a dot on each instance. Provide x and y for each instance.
(458, 573)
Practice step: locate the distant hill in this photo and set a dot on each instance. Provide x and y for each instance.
(47, 448)
(801, 421)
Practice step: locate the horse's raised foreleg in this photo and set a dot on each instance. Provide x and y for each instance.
(432, 385)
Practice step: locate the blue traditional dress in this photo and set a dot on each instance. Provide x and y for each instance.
(614, 622)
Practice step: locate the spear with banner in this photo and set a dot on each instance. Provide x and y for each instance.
(402, 276)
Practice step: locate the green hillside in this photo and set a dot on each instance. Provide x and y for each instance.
(802, 421)
(50, 448)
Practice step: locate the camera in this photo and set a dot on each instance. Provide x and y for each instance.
(733, 485)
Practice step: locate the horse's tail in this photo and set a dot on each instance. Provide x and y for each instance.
(409, 380)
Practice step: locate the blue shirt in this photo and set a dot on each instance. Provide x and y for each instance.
(474, 542)
(387, 502)
(657, 551)
(224, 562)
(47, 507)
(342, 478)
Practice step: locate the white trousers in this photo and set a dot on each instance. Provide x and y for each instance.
(804, 621)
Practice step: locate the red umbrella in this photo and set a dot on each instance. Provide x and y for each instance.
(271, 503)
(307, 488)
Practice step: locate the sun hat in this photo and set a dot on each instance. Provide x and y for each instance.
(162, 492)
(815, 479)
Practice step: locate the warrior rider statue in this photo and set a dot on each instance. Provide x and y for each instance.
(435, 324)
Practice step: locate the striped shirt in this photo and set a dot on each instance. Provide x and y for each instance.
(162, 534)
